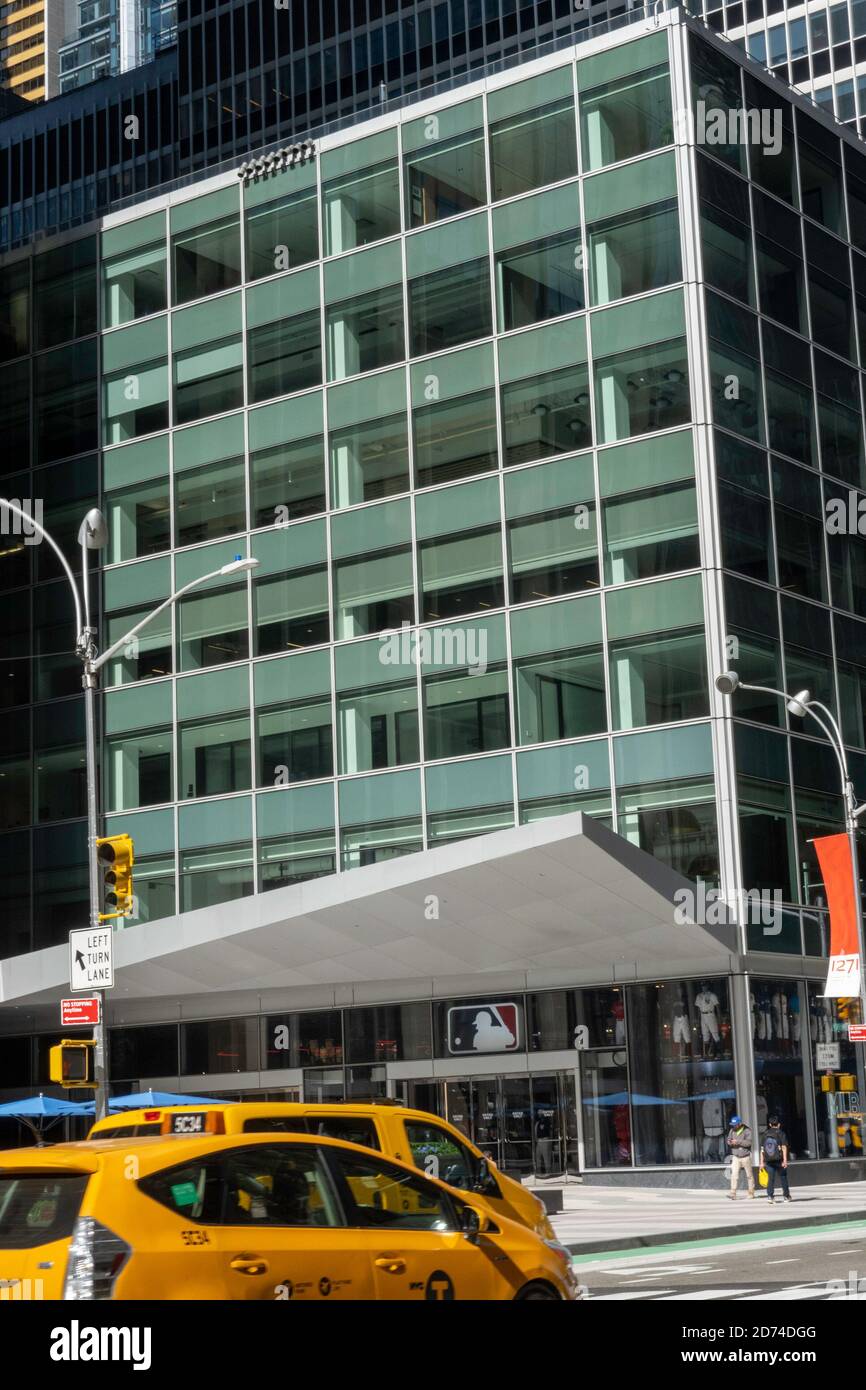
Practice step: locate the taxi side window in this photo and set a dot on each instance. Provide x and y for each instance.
(354, 1131)
(192, 1190)
(387, 1197)
(275, 1124)
(276, 1186)
(438, 1154)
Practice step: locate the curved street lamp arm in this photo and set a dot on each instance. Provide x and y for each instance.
(98, 662)
(37, 526)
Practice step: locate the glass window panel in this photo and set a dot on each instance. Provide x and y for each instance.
(651, 534)
(772, 164)
(370, 460)
(727, 248)
(206, 259)
(466, 713)
(629, 255)
(15, 415)
(14, 310)
(139, 520)
(533, 148)
(546, 415)
(626, 117)
(791, 417)
(64, 293)
(380, 818)
(745, 526)
(832, 313)
(736, 387)
(214, 757)
(210, 502)
(560, 696)
(361, 207)
(66, 402)
(454, 439)
(554, 554)
(659, 680)
(144, 656)
(212, 876)
(641, 391)
(284, 357)
(780, 283)
(208, 380)
(449, 307)
(373, 593)
(539, 281)
(139, 770)
(134, 283)
(282, 235)
(365, 333)
(378, 728)
(295, 859)
(295, 743)
(675, 823)
(213, 628)
(467, 799)
(446, 179)
(288, 481)
(461, 574)
(135, 401)
(716, 86)
(291, 611)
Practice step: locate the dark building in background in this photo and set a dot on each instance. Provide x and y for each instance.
(245, 74)
(67, 161)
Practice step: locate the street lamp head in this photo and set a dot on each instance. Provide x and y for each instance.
(93, 531)
(239, 565)
(799, 703)
(727, 682)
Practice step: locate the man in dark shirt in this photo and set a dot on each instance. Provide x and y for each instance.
(774, 1157)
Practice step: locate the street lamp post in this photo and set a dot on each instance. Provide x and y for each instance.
(93, 535)
(802, 704)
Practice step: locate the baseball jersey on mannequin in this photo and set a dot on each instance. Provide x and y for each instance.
(707, 1005)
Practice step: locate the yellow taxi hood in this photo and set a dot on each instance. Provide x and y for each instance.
(78, 1158)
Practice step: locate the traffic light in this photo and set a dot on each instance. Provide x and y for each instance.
(115, 858)
(71, 1063)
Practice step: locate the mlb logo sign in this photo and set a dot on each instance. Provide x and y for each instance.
(483, 1028)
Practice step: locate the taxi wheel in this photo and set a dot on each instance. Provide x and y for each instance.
(538, 1293)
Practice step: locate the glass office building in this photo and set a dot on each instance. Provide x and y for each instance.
(529, 401)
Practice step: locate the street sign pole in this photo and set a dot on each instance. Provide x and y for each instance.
(100, 1052)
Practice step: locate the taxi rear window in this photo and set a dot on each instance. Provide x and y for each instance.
(353, 1130)
(36, 1209)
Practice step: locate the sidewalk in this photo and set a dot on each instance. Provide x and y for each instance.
(597, 1219)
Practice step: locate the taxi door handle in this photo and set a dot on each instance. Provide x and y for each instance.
(394, 1264)
(249, 1264)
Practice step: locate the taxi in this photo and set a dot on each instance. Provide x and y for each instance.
(413, 1136)
(279, 1217)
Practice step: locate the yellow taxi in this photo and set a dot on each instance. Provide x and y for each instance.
(255, 1216)
(413, 1136)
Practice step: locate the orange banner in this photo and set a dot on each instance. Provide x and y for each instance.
(834, 856)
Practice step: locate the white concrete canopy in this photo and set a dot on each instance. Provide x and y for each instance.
(560, 895)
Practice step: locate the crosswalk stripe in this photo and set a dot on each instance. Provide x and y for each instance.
(635, 1294)
(798, 1292)
(708, 1294)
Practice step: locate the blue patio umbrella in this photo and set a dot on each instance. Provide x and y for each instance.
(33, 1108)
(623, 1098)
(143, 1100)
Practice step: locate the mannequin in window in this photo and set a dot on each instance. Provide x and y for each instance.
(681, 1026)
(707, 1005)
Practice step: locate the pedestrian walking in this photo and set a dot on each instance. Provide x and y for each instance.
(774, 1157)
(739, 1143)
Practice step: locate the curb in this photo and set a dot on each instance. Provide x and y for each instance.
(645, 1242)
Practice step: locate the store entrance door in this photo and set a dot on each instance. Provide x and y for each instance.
(526, 1124)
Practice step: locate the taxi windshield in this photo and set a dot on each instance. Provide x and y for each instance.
(37, 1208)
